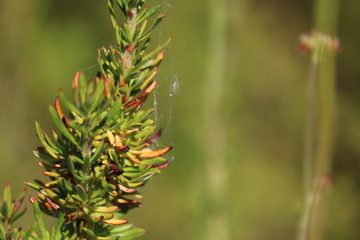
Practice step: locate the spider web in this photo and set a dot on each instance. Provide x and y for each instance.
(163, 102)
(167, 89)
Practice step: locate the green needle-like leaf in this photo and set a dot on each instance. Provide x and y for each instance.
(147, 13)
(60, 125)
(39, 219)
(28, 233)
(89, 232)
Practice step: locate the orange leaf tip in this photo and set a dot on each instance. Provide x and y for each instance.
(51, 174)
(115, 221)
(151, 87)
(147, 153)
(126, 190)
(106, 209)
(52, 204)
(75, 81)
(58, 108)
(33, 199)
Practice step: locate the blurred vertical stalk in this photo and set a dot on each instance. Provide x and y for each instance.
(320, 119)
(326, 21)
(217, 226)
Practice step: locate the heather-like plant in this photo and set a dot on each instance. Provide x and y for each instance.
(101, 152)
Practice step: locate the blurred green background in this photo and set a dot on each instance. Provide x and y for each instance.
(44, 42)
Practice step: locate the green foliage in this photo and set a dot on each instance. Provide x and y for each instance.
(102, 149)
(10, 211)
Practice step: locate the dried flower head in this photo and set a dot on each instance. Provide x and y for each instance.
(317, 41)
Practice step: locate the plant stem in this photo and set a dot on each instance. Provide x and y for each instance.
(310, 127)
(309, 151)
(319, 139)
(131, 21)
(326, 17)
(215, 139)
